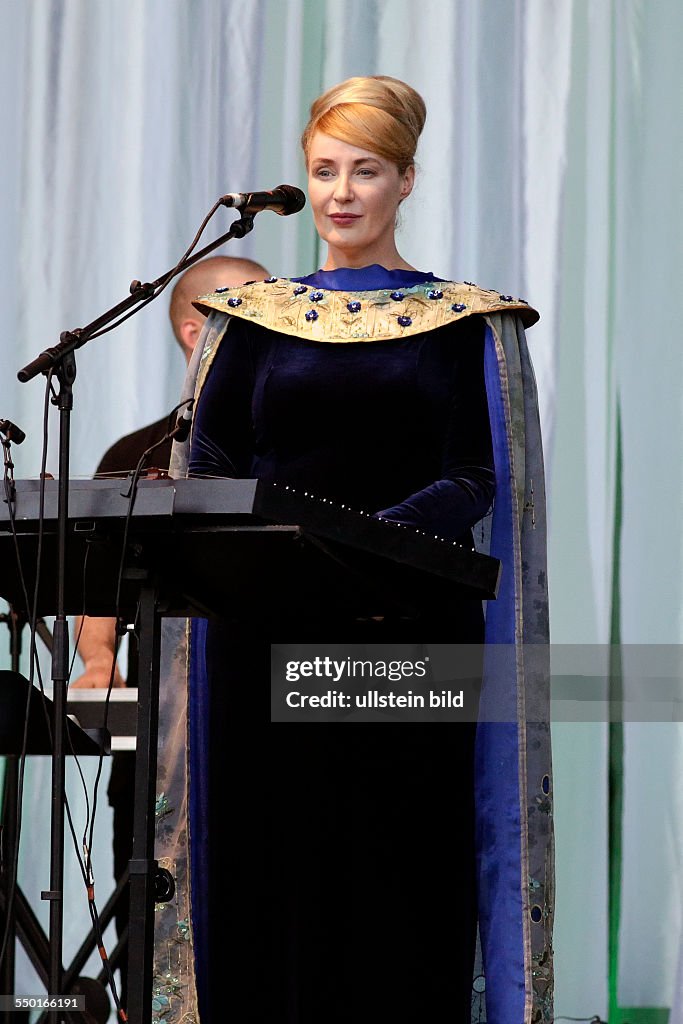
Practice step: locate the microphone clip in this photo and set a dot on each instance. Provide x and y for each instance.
(181, 431)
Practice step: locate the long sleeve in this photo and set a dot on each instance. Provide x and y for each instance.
(465, 490)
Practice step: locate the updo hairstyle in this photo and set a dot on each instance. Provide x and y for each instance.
(376, 112)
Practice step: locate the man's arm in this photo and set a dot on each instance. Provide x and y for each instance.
(96, 644)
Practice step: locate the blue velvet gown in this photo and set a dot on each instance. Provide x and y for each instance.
(345, 888)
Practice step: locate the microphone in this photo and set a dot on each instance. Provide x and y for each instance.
(283, 200)
(12, 432)
(181, 431)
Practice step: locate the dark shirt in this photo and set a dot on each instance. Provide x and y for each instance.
(124, 454)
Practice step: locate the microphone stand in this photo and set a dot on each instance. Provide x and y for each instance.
(62, 361)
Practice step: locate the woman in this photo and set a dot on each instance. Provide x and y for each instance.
(400, 394)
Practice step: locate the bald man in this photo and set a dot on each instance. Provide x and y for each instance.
(96, 637)
(187, 322)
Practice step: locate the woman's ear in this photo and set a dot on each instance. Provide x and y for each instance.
(407, 182)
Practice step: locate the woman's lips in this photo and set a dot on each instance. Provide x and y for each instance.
(344, 218)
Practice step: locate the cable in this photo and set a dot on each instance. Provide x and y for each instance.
(167, 278)
(84, 863)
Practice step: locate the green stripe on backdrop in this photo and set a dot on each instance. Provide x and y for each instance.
(639, 1015)
(615, 783)
(619, 1014)
(616, 746)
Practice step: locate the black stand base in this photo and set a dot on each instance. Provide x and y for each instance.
(22, 703)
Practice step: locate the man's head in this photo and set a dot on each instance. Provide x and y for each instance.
(202, 277)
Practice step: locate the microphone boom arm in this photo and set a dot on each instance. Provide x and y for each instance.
(139, 293)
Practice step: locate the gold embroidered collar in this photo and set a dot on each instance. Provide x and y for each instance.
(319, 314)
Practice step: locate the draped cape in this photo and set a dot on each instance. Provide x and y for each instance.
(513, 784)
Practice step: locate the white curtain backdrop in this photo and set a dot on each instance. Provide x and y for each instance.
(549, 168)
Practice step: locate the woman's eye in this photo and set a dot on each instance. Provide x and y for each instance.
(366, 172)
(324, 172)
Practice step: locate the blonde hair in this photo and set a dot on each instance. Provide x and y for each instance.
(375, 112)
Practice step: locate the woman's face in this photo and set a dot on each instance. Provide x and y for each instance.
(354, 196)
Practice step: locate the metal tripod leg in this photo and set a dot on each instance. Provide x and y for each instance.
(143, 867)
